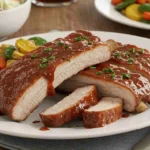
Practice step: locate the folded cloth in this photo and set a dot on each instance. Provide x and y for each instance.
(123, 141)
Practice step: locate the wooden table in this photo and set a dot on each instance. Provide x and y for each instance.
(81, 15)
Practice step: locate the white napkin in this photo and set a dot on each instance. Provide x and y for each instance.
(116, 142)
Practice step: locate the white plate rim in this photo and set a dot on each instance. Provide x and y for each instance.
(34, 136)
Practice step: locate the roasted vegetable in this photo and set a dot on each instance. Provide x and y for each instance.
(2, 48)
(133, 12)
(123, 12)
(145, 21)
(25, 46)
(141, 107)
(10, 62)
(124, 4)
(141, 1)
(2, 63)
(9, 52)
(146, 15)
(38, 40)
(17, 55)
(144, 7)
(116, 2)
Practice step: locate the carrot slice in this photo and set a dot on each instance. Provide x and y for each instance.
(2, 63)
(116, 2)
(146, 15)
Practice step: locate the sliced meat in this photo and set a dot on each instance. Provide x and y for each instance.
(113, 81)
(108, 110)
(24, 85)
(135, 59)
(70, 107)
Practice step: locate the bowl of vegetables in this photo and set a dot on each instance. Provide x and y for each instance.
(11, 53)
(138, 10)
(13, 14)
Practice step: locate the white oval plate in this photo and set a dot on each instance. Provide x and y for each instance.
(74, 129)
(107, 9)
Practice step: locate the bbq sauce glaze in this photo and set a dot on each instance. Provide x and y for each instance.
(133, 57)
(41, 63)
(138, 84)
(44, 129)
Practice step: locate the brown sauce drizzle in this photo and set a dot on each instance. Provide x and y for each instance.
(36, 121)
(44, 128)
(125, 115)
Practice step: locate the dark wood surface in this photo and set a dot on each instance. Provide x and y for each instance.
(81, 15)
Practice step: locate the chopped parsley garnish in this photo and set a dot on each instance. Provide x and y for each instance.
(85, 37)
(44, 60)
(117, 55)
(92, 67)
(125, 76)
(52, 57)
(130, 60)
(136, 54)
(132, 50)
(127, 54)
(60, 43)
(68, 60)
(141, 51)
(107, 71)
(34, 56)
(66, 46)
(48, 49)
(90, 42)
(43, 65)
(112, 75)
(99, 73)
(78, 39)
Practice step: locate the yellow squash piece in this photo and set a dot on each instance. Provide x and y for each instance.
(10, 62)
(133, 12)
(25, 46)
(2, 48)
(17, 55)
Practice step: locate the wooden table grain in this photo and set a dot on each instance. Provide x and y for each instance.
(81, 15)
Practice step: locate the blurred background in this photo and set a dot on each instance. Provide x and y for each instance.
(79, 15)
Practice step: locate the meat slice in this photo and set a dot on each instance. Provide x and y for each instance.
(70, 107)
(108, 110)
(135, 59)
(24, 85)
(112, 81)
